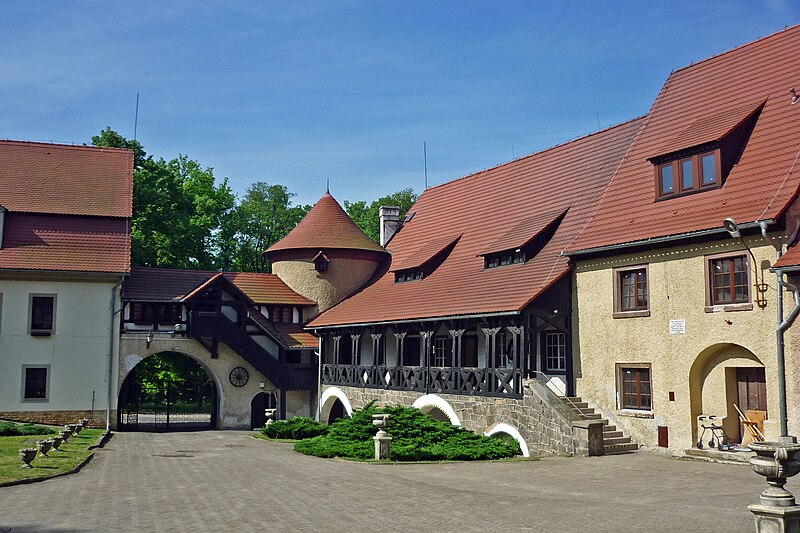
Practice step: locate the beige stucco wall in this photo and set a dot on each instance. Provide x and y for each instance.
(345, 275)
(77, 353)
(698, 366)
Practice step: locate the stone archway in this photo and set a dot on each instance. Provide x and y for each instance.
(437, 407)
(168, 391)
(333, 405)
(511, 431)
(258, 405)
(713, 385)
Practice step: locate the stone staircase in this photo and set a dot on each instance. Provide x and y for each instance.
(613, 439)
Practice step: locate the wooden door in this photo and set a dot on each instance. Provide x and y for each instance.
(752, 384)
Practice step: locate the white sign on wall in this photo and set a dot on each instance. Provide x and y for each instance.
(677, 327)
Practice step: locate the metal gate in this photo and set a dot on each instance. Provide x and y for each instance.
(168, 406)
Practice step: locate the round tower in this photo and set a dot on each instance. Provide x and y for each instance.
(326, 257)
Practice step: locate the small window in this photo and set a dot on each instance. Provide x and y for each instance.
(690, 174)
(667, 179)
(504, 357)
(504, 259)
(687, 174)
(34, 382)
(42, 314)
(728, 279)
(634, 388)
(631, 292)
(709, 168)
(555, 351)
(442, 351)
(402, 276)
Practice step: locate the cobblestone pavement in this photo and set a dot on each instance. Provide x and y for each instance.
(228, 481)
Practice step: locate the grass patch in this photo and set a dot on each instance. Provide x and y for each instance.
(69, 456)
(415, 437)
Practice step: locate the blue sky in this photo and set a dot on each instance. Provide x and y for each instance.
(300, 92)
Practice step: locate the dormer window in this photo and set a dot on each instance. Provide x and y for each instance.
(411, 274)
(689, 174)
(504, 258)
(423, 261)
(321, 262)
(702, 155)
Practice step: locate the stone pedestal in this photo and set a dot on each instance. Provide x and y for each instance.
(382, 445)
(776, 519)
(777, 512)
(588, 437)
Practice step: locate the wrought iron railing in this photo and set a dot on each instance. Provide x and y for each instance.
(503, 382)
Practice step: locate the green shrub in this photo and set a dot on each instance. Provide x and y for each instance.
(11, 429)
(298, 427)
(415, 437)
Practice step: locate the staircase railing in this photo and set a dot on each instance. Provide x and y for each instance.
(540, 375)
(221, 327)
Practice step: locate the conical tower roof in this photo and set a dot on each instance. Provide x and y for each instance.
(326, 226)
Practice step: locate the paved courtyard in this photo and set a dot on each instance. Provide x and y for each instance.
(228, 481)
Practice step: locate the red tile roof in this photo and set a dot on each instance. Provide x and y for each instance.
(163, 285)
(291, 336)
(523, 233)
(759, 187)
(790, 259)
(708, 129)
(427, 251)
(482, 207)
(65, 243)
(326, 226)
(69, 180)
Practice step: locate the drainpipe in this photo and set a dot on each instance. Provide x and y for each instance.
(319, 378)
(111, 348)
(783, 325)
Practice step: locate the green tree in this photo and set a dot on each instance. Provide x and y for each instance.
(263, 217)
(366, 216)
(178, 209)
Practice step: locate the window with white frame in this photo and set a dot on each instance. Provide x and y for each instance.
(555, 351)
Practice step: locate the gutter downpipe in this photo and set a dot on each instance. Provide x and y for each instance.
(111, 348)
(783, 325)
(319, 379)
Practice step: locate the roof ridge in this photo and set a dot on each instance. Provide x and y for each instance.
(540, 152)
(735, 49)
(66, 145)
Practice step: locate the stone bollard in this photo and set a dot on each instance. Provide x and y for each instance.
(778, 512)
(382, 439)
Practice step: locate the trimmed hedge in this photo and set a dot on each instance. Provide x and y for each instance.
(415, 437)
(11, 429)
(298, 427)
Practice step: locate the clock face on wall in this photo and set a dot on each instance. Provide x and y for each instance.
(239, 376)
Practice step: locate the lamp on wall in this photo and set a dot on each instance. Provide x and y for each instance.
(149, 338)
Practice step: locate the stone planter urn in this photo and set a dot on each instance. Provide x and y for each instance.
(44, 447)
(78, 428)
(65, 434)
(85, 422)
(57, 441)
(27, 455)
(777, 511)
(382, 439)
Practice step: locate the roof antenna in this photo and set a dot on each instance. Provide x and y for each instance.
(425, 157)
(596, 114)
(327, 186)
(136, 117)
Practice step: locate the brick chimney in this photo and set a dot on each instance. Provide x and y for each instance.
(389, 221)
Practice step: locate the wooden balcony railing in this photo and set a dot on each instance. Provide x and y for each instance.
(502, 382)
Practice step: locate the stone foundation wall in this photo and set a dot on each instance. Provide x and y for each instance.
(56, 418)
(544, 422)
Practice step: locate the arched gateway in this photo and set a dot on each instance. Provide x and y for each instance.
(167, 391)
